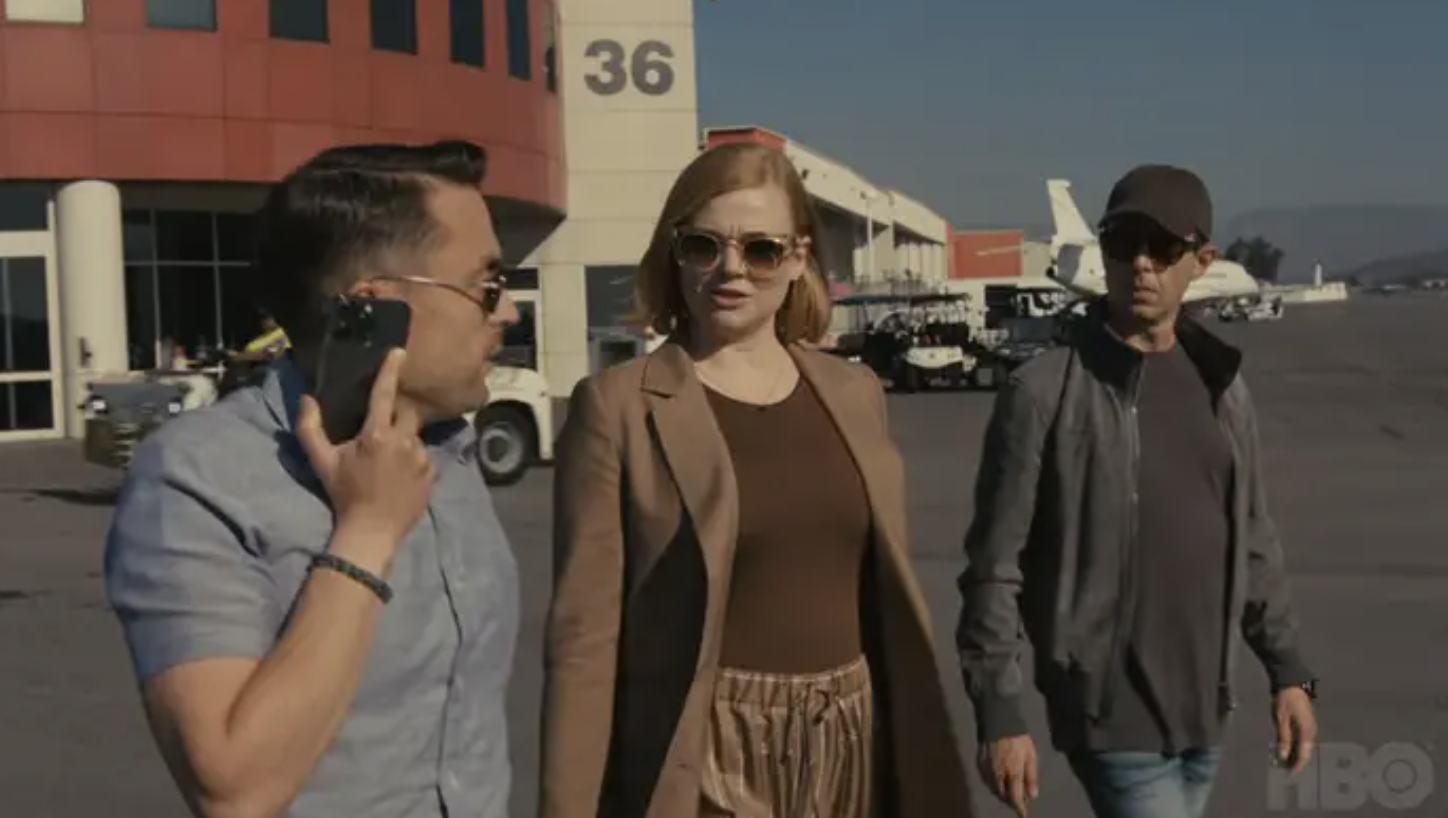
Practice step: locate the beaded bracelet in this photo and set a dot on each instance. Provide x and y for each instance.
(353, 572)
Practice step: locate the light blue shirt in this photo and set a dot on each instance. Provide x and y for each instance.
(213, 533)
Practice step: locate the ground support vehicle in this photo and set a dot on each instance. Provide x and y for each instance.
(914, 342)
(1020, 338)
(120, 413)
(1251, 309)
(515, 429)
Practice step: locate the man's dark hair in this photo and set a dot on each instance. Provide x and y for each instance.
(346, 205)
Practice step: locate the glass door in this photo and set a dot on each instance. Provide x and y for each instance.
(521, 340)
(29, 388)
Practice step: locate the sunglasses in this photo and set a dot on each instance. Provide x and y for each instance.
(488, 299)
(1128, 241)
(704, 251)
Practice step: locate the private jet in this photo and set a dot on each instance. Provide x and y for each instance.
(1077, 264)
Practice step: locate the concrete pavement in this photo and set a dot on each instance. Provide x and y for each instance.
(1354, 404)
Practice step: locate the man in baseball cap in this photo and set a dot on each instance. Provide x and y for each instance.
(1137, 663)
(1174, 198)
(1155, 241)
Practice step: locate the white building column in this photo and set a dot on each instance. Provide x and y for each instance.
(564, 326)
(90, 258)
(933, 258)
(883, 257)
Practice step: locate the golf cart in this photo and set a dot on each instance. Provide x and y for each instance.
(911, 341)
(120, 413)
(1251, 309)
(122, 409)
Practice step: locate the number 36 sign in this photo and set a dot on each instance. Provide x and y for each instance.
(647, 68)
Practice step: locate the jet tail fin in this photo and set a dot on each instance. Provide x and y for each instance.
(1074, 271)
(1071, 227)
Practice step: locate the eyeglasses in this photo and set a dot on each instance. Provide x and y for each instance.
(1125, 242)
(488, 301)
(704, 251)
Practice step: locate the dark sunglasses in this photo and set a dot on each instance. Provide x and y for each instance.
(704, 251)
(1125, 242)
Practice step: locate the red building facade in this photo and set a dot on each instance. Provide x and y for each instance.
(142, 91)
(987, 254)
(137, 137)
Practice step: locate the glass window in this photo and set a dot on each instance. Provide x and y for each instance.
(240, 317)
(45, 11)
(184, 235)
(550, 47)
(24, 206)
(24, 316)
(187, 283)
(520, 44)
(192, 15)
(304, 20)
(186, 296)
(138, 235)
(26, 407)
(609, 294)
(466, 22)
(235, 237)
(394, 25)
(141, 322)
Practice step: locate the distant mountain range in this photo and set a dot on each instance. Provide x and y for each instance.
(1374, 244)
(1401, 269)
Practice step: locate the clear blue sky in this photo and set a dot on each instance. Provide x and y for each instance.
(970, 106)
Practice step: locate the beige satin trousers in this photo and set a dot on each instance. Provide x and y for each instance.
(791, 746)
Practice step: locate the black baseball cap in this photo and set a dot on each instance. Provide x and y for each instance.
(1173, 197)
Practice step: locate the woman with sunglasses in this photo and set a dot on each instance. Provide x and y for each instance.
(736, 629)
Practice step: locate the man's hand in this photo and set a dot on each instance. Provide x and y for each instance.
(381, 481)
(1296, 728)
(1011, 769)
(243, 735)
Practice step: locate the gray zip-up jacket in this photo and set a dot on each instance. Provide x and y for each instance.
(1053, 535)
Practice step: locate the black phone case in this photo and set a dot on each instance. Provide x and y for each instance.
(360, 333)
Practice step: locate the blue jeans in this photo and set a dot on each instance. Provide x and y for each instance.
(1147, 785)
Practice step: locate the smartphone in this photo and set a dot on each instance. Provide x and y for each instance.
(360, 332)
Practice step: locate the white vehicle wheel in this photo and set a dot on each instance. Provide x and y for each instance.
(505, 444)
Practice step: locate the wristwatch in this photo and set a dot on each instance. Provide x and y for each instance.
(1309, 687)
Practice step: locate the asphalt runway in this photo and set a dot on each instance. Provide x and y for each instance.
(1354, 406)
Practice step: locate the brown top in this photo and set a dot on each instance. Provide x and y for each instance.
(627, 703)
(804, 532)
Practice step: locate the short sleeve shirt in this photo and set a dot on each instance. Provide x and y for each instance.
(209, 548)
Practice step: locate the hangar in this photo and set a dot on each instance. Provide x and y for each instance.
(137, 137)
(878, 239)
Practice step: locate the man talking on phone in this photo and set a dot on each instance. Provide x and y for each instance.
(326, 627)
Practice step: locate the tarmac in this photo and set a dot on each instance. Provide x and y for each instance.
(1353, 401)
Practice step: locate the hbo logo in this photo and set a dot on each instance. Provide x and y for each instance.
(1342, 777)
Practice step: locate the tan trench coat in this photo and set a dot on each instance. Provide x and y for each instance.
(645, 522)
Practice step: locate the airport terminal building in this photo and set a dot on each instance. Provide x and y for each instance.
(137, 137)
